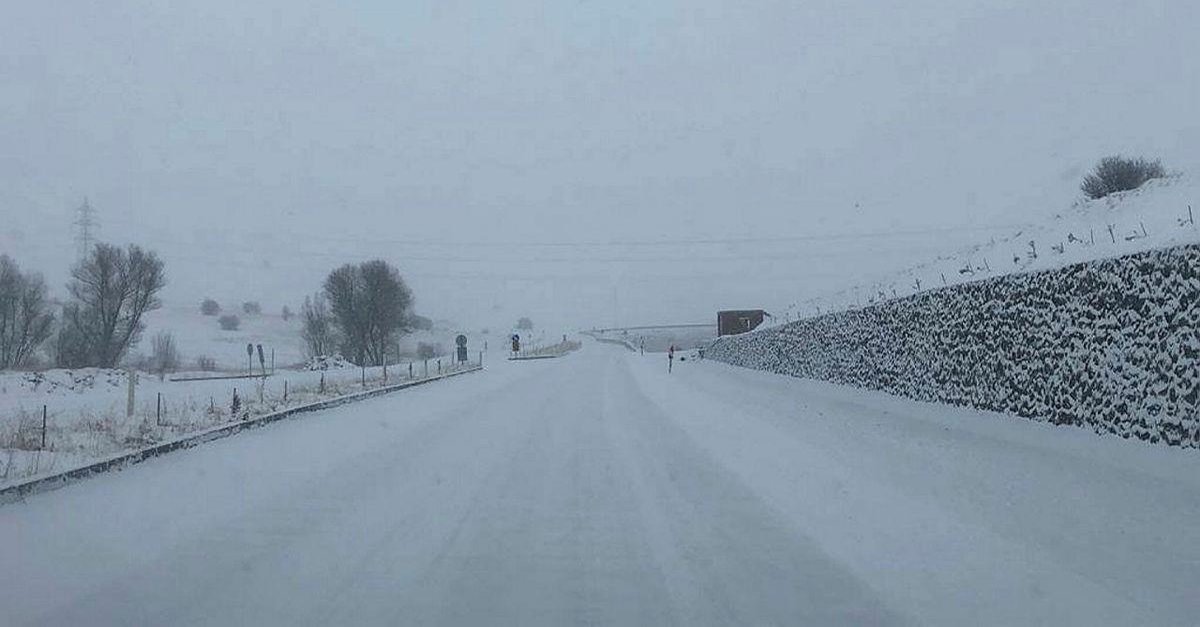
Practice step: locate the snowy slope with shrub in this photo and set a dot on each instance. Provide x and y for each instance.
(1151, 217)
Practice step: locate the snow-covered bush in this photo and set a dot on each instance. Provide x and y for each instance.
(1110, 345)
(425, 350)
(229, 322)
(327, 362)
(210, 307)
(1120, 174)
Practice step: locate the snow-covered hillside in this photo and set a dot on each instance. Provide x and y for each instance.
(1161, 213)
(199, 335)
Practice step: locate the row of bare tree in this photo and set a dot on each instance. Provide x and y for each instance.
(361, 311)
(110, 290)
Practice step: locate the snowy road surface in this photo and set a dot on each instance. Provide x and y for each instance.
(596, 489)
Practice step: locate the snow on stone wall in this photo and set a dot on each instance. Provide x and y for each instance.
(1111, 344)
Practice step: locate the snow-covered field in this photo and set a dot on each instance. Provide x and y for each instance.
(1154, 216)
(660, 340)
(86, 409)
(598, 489)
(197, 335)
(86, 417)
(552, 350)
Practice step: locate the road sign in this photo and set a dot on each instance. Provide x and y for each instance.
(461, 340)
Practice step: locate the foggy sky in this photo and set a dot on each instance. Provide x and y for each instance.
(579, 162)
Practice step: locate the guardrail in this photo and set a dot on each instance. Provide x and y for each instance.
(19, 491)
(697, 325)
(617, 342)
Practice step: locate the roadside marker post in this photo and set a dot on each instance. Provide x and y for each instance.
(131, 375)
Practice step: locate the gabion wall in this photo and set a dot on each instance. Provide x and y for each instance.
(1112, 345)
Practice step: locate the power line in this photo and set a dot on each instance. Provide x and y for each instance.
(814, 237)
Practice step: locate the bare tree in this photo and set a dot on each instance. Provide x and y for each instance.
(370, 304)
(25, 318)
(111, 289)
(165, 357)
(317, 326)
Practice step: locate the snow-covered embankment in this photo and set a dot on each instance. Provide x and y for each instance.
(1111, 345)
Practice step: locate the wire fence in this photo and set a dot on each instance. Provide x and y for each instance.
(61, 433)
(1020, 252)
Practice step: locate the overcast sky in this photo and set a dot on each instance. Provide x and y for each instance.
(579, 162)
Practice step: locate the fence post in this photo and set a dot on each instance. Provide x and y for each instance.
(132, 376)
(43, 427)
(285, 390)
(410, 375)
(364, 375)
(439, 364)
(426, 367)
(158, 410)
(322, 382)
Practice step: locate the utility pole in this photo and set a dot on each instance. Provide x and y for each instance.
(85, 229)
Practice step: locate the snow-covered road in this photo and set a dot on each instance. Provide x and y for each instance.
(598, 489)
